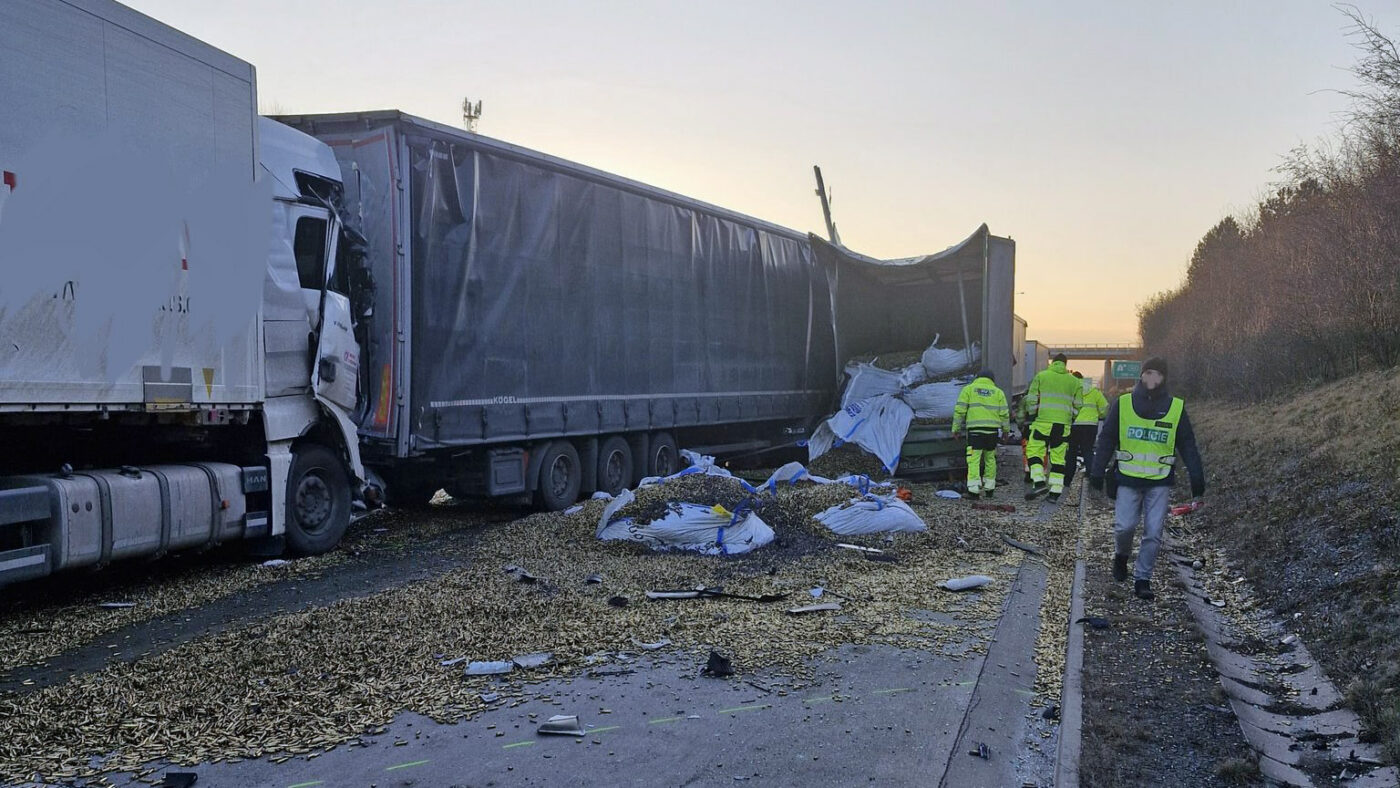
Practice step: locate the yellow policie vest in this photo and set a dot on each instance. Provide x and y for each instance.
(1147, 447)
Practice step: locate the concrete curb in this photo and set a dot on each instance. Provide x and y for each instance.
(1278, 738)
(1072, 688)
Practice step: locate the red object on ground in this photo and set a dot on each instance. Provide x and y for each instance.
(904, 494)
(1187, 508)
(994, 507)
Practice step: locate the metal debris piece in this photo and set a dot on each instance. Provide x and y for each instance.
(717, 591)
(858, 547)
(718, 666)
(490, 697)
(561, 725)
(1026, 546)
(488, 668)
(1097, 622)
(593, 579)
(951, 495)
(660, 644)
(1290, 640)
(115, 605)
(447, 663)
(276, 562)
(965, 583)
(795, 611)
(817, 592)
(983, 751)
(532, 661)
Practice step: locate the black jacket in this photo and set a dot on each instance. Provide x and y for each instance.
(1149, 405)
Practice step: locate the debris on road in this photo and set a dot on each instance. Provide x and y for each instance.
(116, 605)
(983, 751)
(275, 562)
(660, 644)
(717, 666)
(593, 579)
(871, 514)
(993, 507)
(951, 495)
(561, 725)
(1097, 622)
(1025, 546)
(797, 611)
(532, 661)
(617, 601)
(488, 668)
(965, 583)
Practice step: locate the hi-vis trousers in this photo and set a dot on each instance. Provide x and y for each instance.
(1052, 440)
(981, 462)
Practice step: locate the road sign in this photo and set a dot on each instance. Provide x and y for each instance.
(1127, 370)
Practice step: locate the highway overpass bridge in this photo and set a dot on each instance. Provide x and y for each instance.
(1116, 351)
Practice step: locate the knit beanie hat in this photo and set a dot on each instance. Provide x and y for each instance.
(1156, 362)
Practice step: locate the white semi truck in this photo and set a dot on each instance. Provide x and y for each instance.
(178, 301)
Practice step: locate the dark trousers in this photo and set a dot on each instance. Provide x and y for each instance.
(1081, 444)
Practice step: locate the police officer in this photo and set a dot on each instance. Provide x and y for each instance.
(1053, 398)
(983, 413)
(1145, 431)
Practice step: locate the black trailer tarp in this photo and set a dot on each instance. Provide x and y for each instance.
(549, 301)
(895, 305)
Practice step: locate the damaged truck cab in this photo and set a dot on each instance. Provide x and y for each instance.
(180, 368)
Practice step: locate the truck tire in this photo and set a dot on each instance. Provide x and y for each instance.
(560, 477)
(664, 458)
(614, 465)
(318, 500)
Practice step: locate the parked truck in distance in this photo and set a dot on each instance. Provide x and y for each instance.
(178, 359)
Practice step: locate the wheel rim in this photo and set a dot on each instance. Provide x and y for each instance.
(313, 503)
(612, 472)
(665, 461)
(560, 472)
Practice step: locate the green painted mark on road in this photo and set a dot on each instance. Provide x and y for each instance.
(822, 699)
(517, 744)
(660, 720)
(894, 691)
(405, 765)
(606, 728)
(308, 785)
(746, 708)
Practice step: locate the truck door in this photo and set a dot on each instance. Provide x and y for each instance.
(325, 284)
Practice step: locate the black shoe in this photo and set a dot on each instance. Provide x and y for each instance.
(987, 494)
(1028, 477)
(1036, 491)
(1054, 498)
(1142, 589)
(1120, 567)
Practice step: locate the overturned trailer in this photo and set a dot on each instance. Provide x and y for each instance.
(965, 293)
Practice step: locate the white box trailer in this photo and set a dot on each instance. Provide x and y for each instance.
(163, 286)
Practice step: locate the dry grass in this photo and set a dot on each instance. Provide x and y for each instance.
(1305, 495)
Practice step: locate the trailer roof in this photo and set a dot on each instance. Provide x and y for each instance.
(374, 118)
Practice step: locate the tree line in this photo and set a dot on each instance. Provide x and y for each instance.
(1306, 287)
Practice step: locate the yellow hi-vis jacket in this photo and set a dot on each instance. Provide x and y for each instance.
(981, 408)
(1094, 407)
(1054, 395)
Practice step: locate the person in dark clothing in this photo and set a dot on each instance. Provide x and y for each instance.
(1143, 434)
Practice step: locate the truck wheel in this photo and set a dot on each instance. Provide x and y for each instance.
(614, 465)
(664, 458)
(318, 501)
(560, 477)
